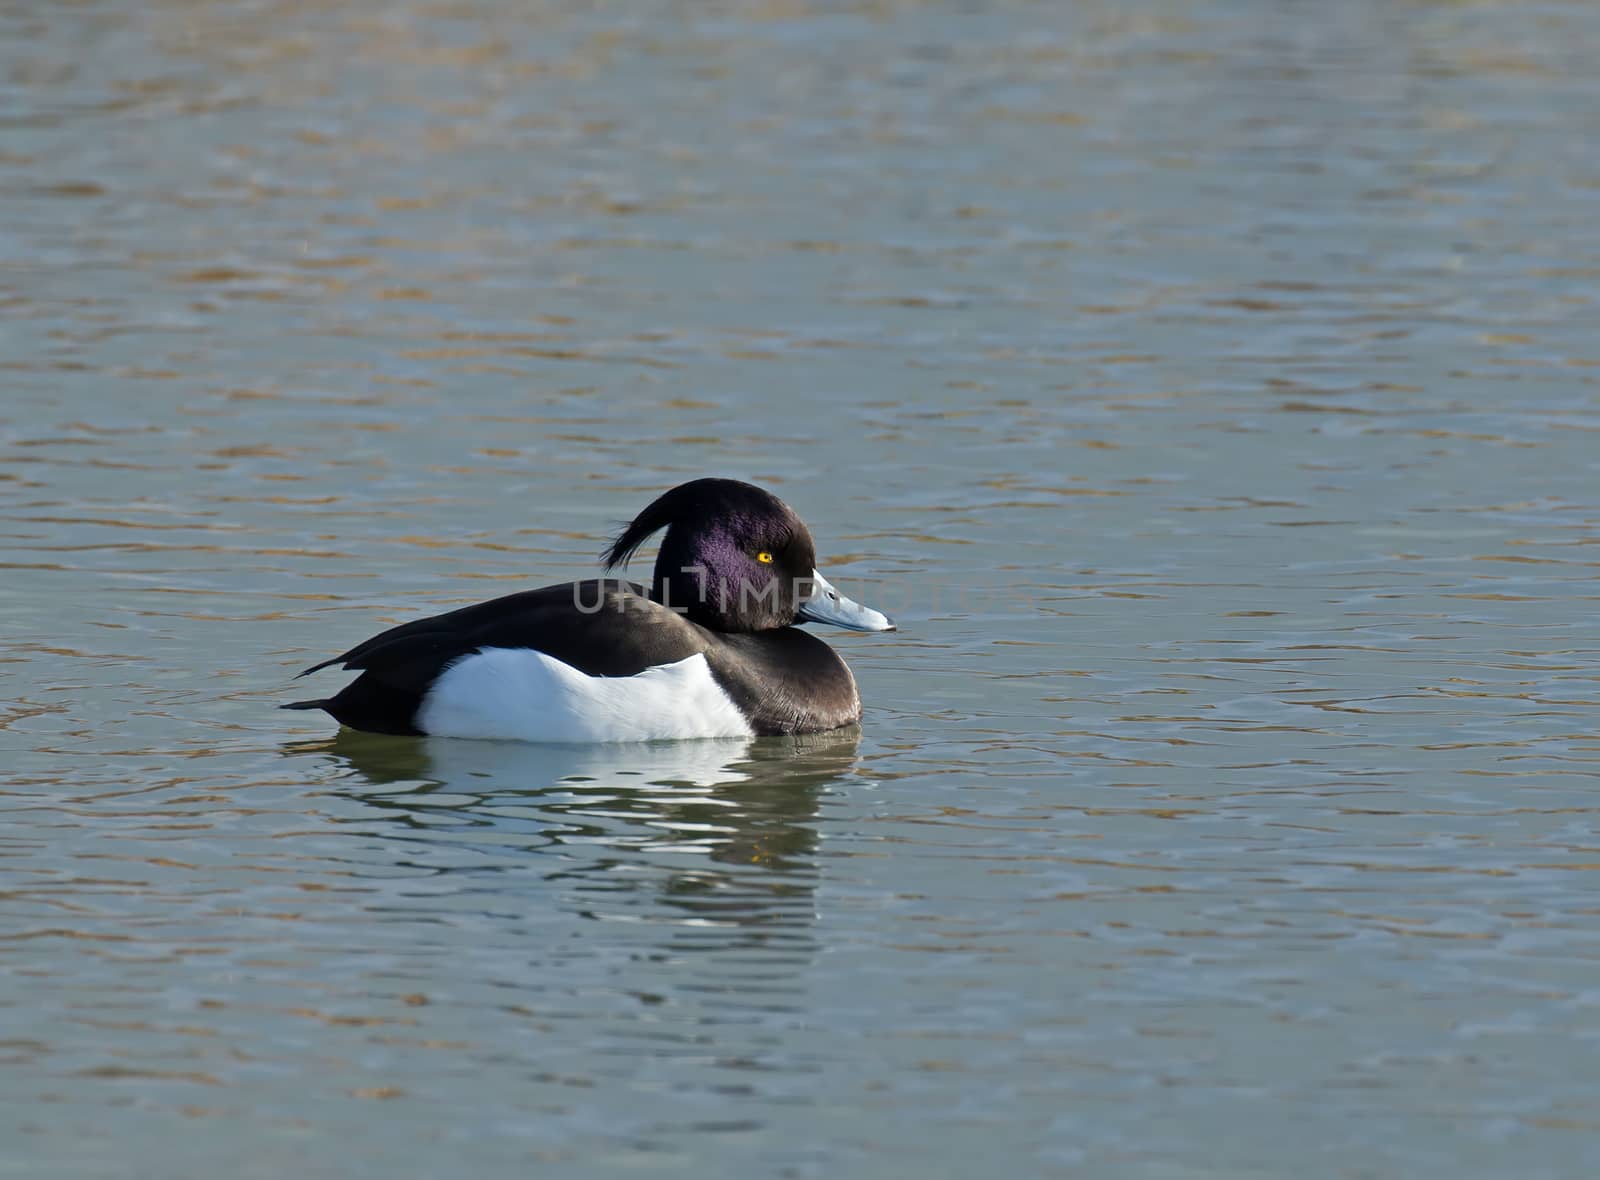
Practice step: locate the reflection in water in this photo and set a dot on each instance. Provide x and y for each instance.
(721, 832)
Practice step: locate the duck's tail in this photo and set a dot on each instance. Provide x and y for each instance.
(323, 704)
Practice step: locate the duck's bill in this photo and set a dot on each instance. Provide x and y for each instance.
(827, 605)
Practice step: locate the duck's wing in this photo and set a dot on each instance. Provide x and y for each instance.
(604, 627)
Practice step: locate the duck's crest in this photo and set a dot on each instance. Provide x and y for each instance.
(729, 498)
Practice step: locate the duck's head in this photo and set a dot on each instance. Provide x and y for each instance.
(736, 558)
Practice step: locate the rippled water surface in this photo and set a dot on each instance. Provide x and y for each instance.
(1210, 388)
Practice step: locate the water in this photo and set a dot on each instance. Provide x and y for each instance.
(1209, 388)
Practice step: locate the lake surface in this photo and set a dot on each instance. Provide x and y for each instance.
(1211, 390)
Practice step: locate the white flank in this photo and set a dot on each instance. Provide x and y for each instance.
(521, 695)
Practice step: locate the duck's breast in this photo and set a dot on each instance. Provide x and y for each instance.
(786, 681)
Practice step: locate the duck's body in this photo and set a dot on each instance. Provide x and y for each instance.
(589, 662)
(712, 655)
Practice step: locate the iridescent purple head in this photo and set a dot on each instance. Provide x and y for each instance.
(736, 558)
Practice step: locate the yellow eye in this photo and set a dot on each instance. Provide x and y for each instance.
(764, 557)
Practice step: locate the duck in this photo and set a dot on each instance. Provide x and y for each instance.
(712, 648)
